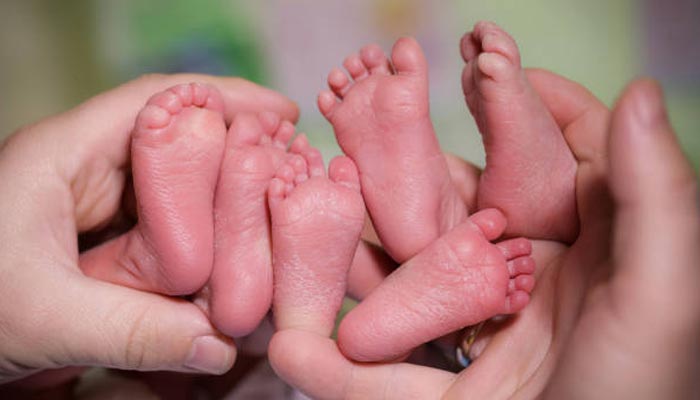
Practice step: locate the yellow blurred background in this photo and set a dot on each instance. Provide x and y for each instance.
(53, 55)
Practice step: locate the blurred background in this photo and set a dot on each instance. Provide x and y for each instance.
(53, 55)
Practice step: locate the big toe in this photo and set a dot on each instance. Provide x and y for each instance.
(176, 149)
(408, 57)
(246, 130)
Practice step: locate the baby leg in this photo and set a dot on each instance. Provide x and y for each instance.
(382, 122)
(240, 289)
(316, 225)
(176, 150)
(530, 171)
(459, 280)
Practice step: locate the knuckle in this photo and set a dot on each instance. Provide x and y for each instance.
(684, 187)
(141, 333)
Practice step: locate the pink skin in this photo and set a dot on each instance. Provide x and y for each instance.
(176, 148)
(382, 122)
(240, 288)
(458, 280)
(530, 171)
(316, 225)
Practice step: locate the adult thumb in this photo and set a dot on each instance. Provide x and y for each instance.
(656, 192)
(100, 324)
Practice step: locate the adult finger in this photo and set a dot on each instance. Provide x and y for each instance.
(90, 143)
(314, 364)
(657, 232)
(655, 253)
(580, 115)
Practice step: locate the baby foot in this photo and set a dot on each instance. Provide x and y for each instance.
(382, 122)
(316, 226)
(458, 280)
(530, 171)
(241, 282)
(176, 151)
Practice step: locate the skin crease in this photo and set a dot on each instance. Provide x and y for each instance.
(604, 321)
(66, 175)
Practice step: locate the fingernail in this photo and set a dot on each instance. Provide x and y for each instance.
(650, 108)
(210, 354)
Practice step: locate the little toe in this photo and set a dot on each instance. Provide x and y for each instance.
(375, 60)
(355, 67)
(246, 130)
(523, 283)
(516, 301)
(520, 266)
(338, 82)
(343, 170)
(490, 221)
(514, 248)
(408, 58)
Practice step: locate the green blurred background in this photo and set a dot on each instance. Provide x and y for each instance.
(53, 55)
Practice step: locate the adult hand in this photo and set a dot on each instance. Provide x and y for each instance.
(616, 315)
(66, 175)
